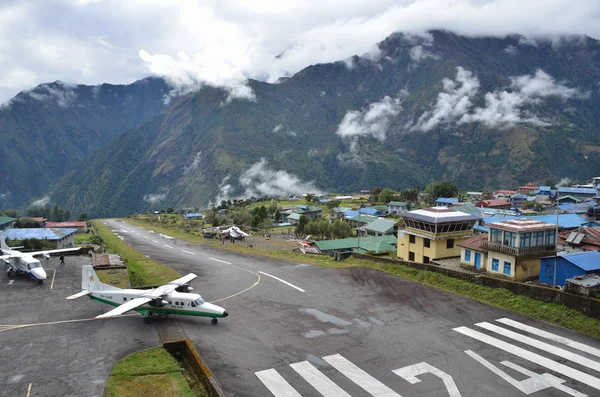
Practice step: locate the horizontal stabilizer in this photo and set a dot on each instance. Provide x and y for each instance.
(78, 295)
(125, 307)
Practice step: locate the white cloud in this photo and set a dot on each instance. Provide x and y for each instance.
(58, 93)
(41, 202)
(511, 49)
(226, 43)
(453, 102)
(225, 190)
(373, 121)
(195, 163)
(154, 198)
(259, 180)
(278, 128)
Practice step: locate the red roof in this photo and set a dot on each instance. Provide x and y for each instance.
(37, 219)
(474, 242)
(506, 192)
(529, 186)
(66, 224)
(493, 203)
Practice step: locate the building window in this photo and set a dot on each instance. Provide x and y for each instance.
(425, 259)
(427, 243)
(495, 235)
(525, 240)
(450, 243)
(538, 238)
(550, 237)
(468, 255)
(549, 271)
(411, 256)
(510, 238)
(507, 268)
(411, 238)
(495, 264)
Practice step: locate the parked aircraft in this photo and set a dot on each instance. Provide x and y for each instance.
(171, 298)
(24, 262)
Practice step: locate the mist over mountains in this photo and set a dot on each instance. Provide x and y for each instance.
(484, 112)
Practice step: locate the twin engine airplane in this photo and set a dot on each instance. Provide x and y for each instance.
(24, 262)
(171, 298)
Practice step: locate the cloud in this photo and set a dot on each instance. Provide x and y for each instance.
(511, 49)
(225, 191)
(154, 198)
(195, 163)
(373, 121)
(259, 180)
(41, 202)
(277, 128)
(453, 102)
(59, 93)
(216, 43)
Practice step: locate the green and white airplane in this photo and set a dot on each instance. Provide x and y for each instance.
(172, 298)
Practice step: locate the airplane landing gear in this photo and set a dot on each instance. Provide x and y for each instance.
(147, 320)
(214, 321)
(40, 282)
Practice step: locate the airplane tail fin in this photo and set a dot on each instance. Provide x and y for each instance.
(91, 282)
(5, 248)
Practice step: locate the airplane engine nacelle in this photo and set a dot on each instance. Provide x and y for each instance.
(46, 256)
(157, 303)
(184, 288)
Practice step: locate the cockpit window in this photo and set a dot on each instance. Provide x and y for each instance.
(33, 265)
(199, 301)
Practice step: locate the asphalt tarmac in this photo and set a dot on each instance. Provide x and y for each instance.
(55, 345)
(299, 330)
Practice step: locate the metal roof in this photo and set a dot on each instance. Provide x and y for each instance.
(588, 261)
(398, 203)
(364, 218)
(440, 215)
(447, 200)
(381, 225)
(66, 224)
(580, 190)
(296, 216)
(565, 221)
(194, 215)
(6, 219)
(38, 233)
(371, 211)
(587, 281)
(376, 244)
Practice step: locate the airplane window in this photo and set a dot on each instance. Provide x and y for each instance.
(176, 303)
(170, 303)
(199, 301)
(124, 298)
(33, 265)
(193, 304)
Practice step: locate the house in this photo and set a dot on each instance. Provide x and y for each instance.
(514, 247)
(309, 211)
(293, 219)
(39, 219)
(518, 199)
(505, 193)
(193, 215)
(528, 189)
(588, 285)
(576, 192)
(446, 201)
(7, 222)
(586, 238)
(360, 220)
(432, 233)
(338, 212)
(371, 211)
(381, 227)
(62, 237)
(396, 207)
(555, 270)
(471, 253)
(546, 191)
(362, 244)
(565, 221)
(497, 204)
(568, 199)
(81, 226)
(474, 195)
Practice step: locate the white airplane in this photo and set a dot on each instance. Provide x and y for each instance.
(24, 262)
(171, 298)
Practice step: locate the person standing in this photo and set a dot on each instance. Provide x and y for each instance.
(62, 259)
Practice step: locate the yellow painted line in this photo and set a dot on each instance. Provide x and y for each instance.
(52, 284)
(9, 327)
(28, 390)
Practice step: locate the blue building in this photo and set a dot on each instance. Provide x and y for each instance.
(446, 201)
(193, 215)
(371, 211)
(568, 266)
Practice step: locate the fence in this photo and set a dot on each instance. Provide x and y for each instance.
(585, 305)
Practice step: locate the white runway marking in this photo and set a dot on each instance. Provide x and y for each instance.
(146, 237)
(276, 384)
(533, 357)
(168, 246)
(553, 337)
(188, 252)
(360, 377)
(283, 281)
(154, 241)
(218, 260)
(10, 282)
(557, 351)
(323, 384)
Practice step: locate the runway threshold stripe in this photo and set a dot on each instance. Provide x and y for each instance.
(188, 252)
(145, 237)
(553, 337)
(154, 241)
(276, 384)
(360, 377)
(283, 281)
(218, 260)
(533, 357)
(320, 382)
(557, 351)
(168, 246)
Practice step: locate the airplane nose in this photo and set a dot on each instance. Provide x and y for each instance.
(225, 314)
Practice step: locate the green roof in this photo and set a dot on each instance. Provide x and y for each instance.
(295, 216)
(342, 209)
(364, 218)
(6, 219)
(381, 225)
(376, 244)
(380, 207)
(398, 203)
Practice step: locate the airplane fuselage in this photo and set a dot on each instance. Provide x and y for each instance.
(182, 303)
(27, 265)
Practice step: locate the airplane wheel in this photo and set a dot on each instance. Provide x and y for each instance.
(146, 320)
(40, 282)
(214, 321)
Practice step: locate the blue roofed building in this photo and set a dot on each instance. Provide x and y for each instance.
(446, 201)
(371, 211)
(193, 215)
(64, 238)
(565, 221)
(568, 266)
(576, 192)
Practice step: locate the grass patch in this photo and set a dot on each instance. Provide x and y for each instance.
(190, 235)
(116, 277)
(142, 271)
(149, 373)
(82, 238)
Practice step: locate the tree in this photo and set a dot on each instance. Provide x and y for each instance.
(374, 194)
(83, 216)
(67, 216)
(439, 189)
(272, 208)
(550, 182)
(331, 204)
(301, 224)
(385, 196)
(487, 195)
(170, 210)
(278, 215)
(12, 213)
(309, 198)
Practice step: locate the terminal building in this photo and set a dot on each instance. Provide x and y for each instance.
(433, 233)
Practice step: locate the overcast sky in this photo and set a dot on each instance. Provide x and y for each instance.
(223, 42)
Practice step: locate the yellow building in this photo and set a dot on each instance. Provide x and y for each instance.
(432, 233)
(512, 248)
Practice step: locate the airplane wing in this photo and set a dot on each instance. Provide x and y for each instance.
(183, 280)
(46, 252)
(166, 289)
(125, 307)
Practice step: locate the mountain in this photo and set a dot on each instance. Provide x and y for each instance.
(484, 112)
(50, 129)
